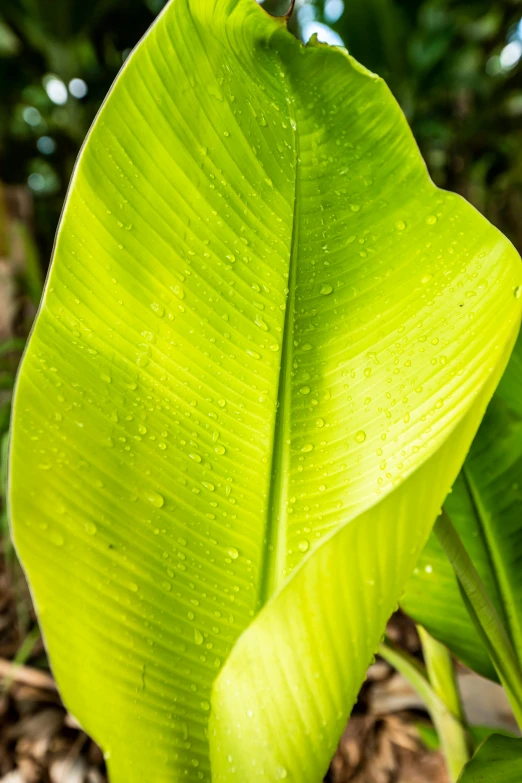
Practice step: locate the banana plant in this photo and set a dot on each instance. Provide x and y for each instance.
(264, 347)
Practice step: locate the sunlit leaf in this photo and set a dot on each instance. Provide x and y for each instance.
(264, 347)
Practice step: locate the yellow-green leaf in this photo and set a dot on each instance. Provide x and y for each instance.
(264, 347)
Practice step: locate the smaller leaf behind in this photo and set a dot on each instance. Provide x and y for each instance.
(498, 760)
(486, 508)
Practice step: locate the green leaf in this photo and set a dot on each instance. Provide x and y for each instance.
(430, 738)
(436, 685)
(264, 347)
(498, 760)
(486, 508)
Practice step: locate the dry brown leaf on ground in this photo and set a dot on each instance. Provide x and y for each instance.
(384, 749)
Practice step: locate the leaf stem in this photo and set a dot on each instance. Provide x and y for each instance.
(483, 613)
(450, 728)
(455, 738)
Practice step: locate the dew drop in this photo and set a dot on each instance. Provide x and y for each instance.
(303, 545)
(304, 390)
(198, 636)
(431, 220)
(57, 538)
(326, 289)
(259, 322)
(307, 447)
(220, 450)
(155, 499)
(360, 436)
(233, 553)
(158, 309)
(518, 292)
(400, 225)
(195, 457)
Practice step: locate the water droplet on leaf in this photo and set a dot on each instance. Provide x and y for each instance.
(155, 499)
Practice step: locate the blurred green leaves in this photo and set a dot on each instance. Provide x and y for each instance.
(45, 50)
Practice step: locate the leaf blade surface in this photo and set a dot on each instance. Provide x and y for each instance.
(158, 520)
(498, 760)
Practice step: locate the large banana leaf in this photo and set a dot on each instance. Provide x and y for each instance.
(498, 760)
(486, 508)
(264, 347)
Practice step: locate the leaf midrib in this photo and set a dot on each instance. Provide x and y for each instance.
(274, 555)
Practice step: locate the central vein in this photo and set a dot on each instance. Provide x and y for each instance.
(274, 560)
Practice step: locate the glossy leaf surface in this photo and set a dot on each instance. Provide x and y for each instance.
(264, 347)
(498, 760)
(486, 508)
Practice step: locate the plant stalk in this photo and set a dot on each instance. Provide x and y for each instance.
(450, 722)
(483, 613)
(455, 740)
